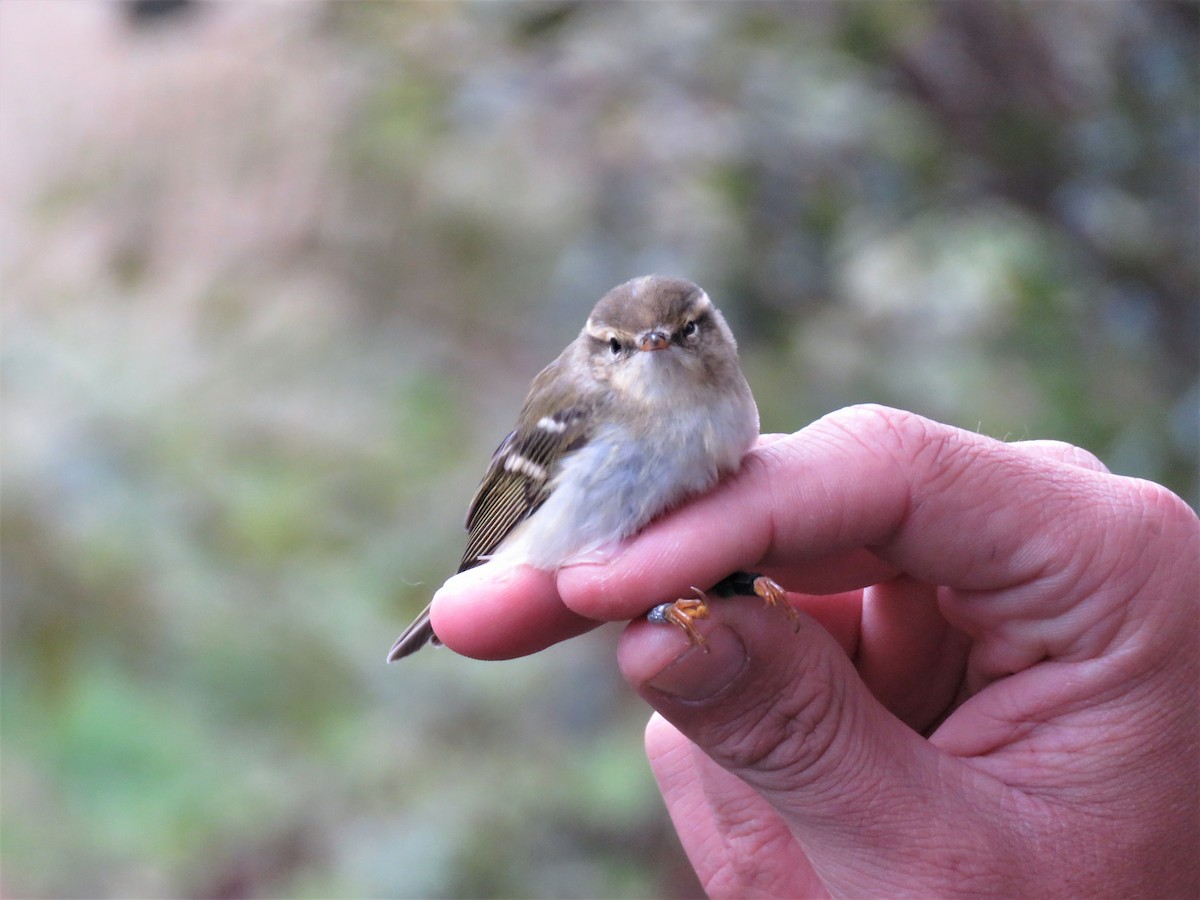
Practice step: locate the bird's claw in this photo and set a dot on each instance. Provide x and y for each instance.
(684, 613)
(774, 595)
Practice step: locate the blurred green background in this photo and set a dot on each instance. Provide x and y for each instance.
(276, 276)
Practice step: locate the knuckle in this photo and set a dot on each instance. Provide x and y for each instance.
(1061, 451)
(895, 431)
(1165, 505)
(901, 441)
(1162, 519)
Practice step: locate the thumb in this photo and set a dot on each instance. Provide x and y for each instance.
(870, 803)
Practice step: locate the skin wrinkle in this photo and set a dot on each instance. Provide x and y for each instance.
(1098, 569)
(927, 439)
(1008, 713)
(1140, 702)
(993, 611)
(1088, 689)
(740, 827)
(1103, 630)
(1060, 486)
(745, 840)
(955, 853)
(792, 749)
(1103, 509)
(1065, 743)
(1038, 575)
(984, 470)
(789, 737)
(1052, 816)
(851, 783)
(746, 740)
(896, 836)
(896, 442)
(941, 445)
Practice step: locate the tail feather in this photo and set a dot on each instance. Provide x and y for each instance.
(415, 636)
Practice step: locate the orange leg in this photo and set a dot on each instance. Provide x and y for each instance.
(774, 595)
(684, 613)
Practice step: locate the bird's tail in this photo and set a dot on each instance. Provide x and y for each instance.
(415, 636)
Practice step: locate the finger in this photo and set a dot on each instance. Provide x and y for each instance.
(737, 844)
(910, 492)
(501, 612)
(1062, 452)
(787, 716)
(769, 438)
(812, 503)
(497, 612)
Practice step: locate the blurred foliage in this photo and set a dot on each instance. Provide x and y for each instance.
(275, 278)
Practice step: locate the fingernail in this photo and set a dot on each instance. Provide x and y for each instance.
(697, 675)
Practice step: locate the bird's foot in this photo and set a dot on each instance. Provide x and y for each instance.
(774, 595)
(684, 613)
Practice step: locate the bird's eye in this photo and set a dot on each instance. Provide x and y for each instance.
(690, 328)
(614, 345)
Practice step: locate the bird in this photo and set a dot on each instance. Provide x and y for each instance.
(645, 409)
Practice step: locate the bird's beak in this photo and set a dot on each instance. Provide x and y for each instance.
(653, 340)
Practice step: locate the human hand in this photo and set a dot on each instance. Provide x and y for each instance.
(994, 689)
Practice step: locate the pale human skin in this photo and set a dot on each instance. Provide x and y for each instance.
(1002, 699)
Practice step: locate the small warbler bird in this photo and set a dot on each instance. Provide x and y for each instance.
(647, 407)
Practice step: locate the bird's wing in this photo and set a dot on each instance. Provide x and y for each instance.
(517, 482)
(520, 477)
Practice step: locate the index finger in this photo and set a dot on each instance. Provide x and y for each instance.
(869, 492)
(495, 611)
